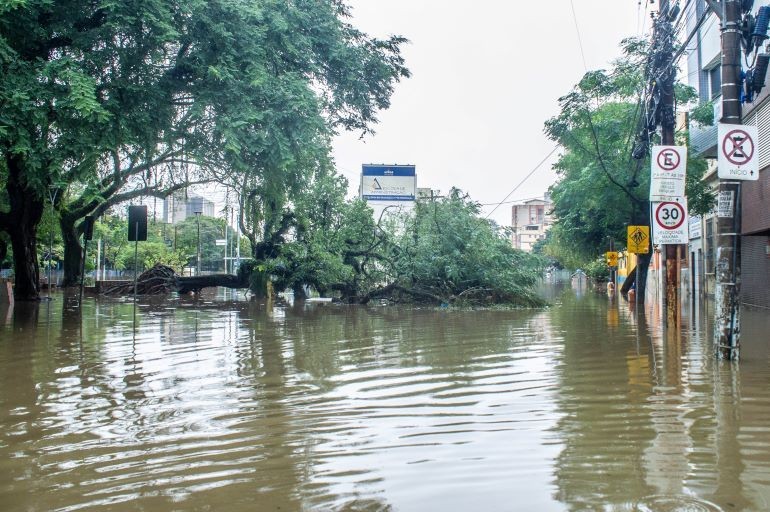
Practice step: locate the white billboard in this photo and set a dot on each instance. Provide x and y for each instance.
(388, 182)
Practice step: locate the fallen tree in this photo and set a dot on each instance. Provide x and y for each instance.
(162, 279)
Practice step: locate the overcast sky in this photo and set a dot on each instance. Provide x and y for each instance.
(486, 76)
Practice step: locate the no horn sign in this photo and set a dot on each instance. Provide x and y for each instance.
(737, 152)
(669, 223)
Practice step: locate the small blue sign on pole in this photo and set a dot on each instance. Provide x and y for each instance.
(388, 182)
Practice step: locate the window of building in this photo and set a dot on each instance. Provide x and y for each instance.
(715, 81)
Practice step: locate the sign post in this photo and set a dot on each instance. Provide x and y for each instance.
(638, 242)
(738, 161)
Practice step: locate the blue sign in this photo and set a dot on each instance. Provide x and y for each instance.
(388, 170)
(388, 182)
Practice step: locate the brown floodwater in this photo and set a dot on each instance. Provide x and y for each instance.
(231, 405)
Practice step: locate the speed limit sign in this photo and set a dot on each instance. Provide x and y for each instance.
(669, 222)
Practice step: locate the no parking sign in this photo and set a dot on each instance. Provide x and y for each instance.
(668, 171)
(669, 220)
(737, 152)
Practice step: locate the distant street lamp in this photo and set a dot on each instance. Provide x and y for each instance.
(198, 259)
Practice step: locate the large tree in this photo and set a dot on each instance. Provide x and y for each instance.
(602, 187)
(98, 99)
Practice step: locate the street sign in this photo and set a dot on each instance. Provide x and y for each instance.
(612, 258)
(670, 223)
(638, 241)
(737, 152)
(220, 241)
(667, 176)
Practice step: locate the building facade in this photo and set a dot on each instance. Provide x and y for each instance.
(703, 72)
(530, 221)
(177, 207)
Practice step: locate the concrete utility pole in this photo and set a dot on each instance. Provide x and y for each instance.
(728, 261)
(664, 31)
(664, 47)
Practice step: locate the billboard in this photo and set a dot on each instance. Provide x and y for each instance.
(388, 182)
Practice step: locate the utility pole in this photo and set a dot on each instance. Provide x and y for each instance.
(728, 259)
(665, 33)
(663, 63)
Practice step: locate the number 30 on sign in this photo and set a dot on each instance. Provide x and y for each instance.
(669, 223)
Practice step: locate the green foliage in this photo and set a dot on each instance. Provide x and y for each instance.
(703, 114)
(448, 250)
(440, 252)
(119, 98)
(598, 270)
(601, 188)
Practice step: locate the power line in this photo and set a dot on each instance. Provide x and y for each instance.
(580, 40)
(522, 181)
(511, 201)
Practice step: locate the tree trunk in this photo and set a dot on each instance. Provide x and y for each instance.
(642, 265)
(196, 283)
(73, 252)
(25, 263)
(26, 210)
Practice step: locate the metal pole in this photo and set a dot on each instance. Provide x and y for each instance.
(198, 262)
(226, 224)
(83, 268)
(136, 259)
(50, 260)
(52, 196)
(97, 276)
(728, 257)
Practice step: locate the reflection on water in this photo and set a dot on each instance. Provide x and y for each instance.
(234, 405)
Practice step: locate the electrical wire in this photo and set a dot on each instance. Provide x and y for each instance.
(580, 39)
(522, 181)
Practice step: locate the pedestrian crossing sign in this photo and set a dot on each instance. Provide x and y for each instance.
(638, 239)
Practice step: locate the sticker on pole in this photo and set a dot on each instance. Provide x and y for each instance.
(670, 224)
(738, 157)
(668, 172)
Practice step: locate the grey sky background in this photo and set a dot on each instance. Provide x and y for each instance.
(486, 76)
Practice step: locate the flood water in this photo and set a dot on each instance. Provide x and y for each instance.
(234, 406)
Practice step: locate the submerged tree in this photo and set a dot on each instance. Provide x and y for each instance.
(99, 100)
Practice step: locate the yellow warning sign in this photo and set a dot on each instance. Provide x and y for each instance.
(638, 239)
(612, 258)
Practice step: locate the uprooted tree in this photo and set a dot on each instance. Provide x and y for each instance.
(441, 252)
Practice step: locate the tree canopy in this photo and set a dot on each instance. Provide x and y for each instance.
(107, 101)
(601, 187)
